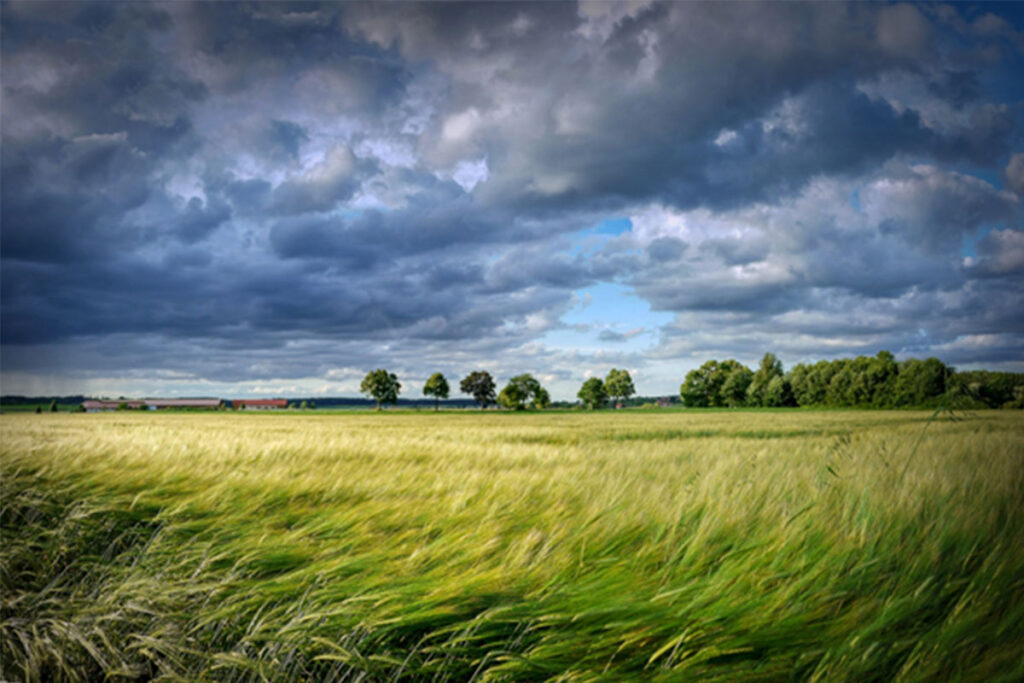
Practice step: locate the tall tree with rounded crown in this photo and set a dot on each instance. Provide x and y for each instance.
(480, 385)
(592, 393)
(436, 386)
(519, 390)
(619, 384)
(382, 386)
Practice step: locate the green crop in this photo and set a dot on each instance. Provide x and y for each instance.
(509, 546)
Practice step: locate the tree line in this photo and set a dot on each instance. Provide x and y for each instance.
(878, 381)
(521, 392)
(865, 382)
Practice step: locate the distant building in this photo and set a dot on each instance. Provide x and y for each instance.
(103, 405)
(664, 402)
(164, 403)
(259, 403)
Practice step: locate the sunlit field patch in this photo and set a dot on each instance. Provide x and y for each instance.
(496, 546)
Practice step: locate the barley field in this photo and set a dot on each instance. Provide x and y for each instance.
(630, 545)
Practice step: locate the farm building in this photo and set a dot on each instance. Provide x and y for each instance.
(259, 403)
(164, 403)
(102, 405)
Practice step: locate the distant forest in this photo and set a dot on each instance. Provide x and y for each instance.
(863, 382)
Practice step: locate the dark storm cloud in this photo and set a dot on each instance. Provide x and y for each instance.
(412, 180)
(65, 200)
(374, 236)
(324, 187)
(1000, 253)
(977, 325)
(96, 77)
(674, 77)
(287, 136)
(199, 220)
(252, 45)
(958, 87)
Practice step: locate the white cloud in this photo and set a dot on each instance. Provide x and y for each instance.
(469, 173)
(397, 152)
(459, 128)
(725, 137)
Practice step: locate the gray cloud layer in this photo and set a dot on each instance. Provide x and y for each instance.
(222, 192)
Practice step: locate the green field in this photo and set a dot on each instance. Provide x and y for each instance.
(499, 546)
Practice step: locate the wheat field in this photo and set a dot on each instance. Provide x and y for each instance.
(628, 545)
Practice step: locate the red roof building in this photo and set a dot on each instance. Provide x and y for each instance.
(163, 403)
(259, 403)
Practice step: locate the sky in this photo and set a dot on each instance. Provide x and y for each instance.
(265, 199)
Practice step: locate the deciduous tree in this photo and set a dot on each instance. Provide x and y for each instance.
(619, 384)
(480, 385)
(436, 386)
(920, 380)
(593, 393)
(771, 367)
(521, 389)
(382, 386)
(737, 381)
(778, 393)
(697, 390)
(541, 400)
